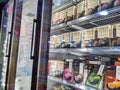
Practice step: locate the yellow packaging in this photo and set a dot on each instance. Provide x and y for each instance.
(104, 1)
(118, 30)
(58, 40)
(55, 18)
(67, 37)
(77, 36)
(104, 31)
(90, 6)
(89, 34)
(52, 41)
(80, 9)
(71, 13)
(62, 16)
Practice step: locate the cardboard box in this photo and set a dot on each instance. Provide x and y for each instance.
(105, 4)
(91, 6)
(67, 37)
(71, 13)
(59, 39)
(104, 31)
(62, 16)
(81, 9)
(55, 18)
(89, 34)
(77, 36)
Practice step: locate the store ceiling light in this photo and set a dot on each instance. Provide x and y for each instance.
(54, 36)
(103, 13)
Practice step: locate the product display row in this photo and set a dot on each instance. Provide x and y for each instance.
(92, 73)
(107, 35)
(83, 8)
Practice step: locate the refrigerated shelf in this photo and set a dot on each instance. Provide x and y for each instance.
(90, 21)
(79, 86)
(77, 53)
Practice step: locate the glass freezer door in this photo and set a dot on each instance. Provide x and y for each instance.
(26, 63)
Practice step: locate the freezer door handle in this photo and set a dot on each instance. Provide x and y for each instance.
(33, 39)
(7, 45)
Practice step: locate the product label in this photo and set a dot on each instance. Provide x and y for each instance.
(55, 17)
(52, 42)
(104, 1)
(83, 35)
(52, 39)
(71, 11)
(118, 72)
(81, 7)
(104, 31)
(91, 3)
(70, 66)
(85, 75)
(95, 62)
(114, 34)
(89, 34)
(118, 30)
(100, 72)
(76, 36)
(81, 68)
(67, 37)
(59, 39)
(62, 14)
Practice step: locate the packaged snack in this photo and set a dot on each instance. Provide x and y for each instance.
(62, 16)
(95, 76)
(105, 4)
(81, 9)
(76, 38)
(55, 68)
(116, 35)
(104, 33)
(78, 71)
(91, 6)
(110, 82)
(59, 40)
(52, 41)
(116, 3)
(55, 18)
(71, 13)
(68, 70)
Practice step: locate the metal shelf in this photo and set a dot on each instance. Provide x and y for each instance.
(79, 86)
(61, 54)
(89, 21)
(78, 53)
(64, 4)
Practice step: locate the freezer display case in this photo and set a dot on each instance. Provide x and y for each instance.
(84, 49)
(5, 29)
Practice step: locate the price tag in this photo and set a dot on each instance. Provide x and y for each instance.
(81, 68)
(101, 69)
(64, 82)
(95, 62)
(118, 72)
